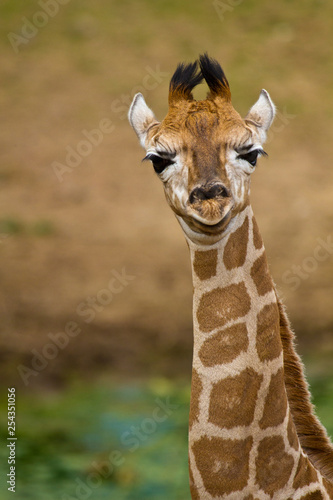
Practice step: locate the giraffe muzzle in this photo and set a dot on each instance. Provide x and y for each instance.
(208, 192)
(209, 203)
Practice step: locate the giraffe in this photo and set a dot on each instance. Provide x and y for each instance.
(253, 433)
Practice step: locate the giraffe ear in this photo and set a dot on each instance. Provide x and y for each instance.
(141, 117)
(262, 112)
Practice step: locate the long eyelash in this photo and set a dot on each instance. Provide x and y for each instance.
(149, 156)
(252, 156)
(159, 163)
(262, 152)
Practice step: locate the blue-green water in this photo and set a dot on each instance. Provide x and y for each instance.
(99, 442)
(102, 441)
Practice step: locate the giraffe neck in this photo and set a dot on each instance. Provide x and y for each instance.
(242, 439)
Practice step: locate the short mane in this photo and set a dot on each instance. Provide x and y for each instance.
(311, 433)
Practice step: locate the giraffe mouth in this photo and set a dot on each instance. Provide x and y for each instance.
(209, 215)
(205, 221)
(202, 225)
(209, 212)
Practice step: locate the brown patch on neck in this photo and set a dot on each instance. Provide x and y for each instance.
(261, 276)
(233, 400)
(224, 346)
(268, 339)
(196, 389)
(223, 463)
(274, 465)
(236, 248)
(305, 474)
(204, 263)
(257, 239)
(292, 435)
(221, 305)
(276, 402)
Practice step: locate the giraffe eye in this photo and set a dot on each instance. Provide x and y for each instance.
(159, 163)
(252, 156)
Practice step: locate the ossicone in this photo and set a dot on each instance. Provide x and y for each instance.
(188, 76)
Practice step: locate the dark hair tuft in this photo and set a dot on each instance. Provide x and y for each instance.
(214, 76)
(184, 79)
(187, 76)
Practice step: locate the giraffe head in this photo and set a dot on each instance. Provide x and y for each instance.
(203, 151)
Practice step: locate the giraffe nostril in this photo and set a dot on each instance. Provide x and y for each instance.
(218, 190)
(208, 192)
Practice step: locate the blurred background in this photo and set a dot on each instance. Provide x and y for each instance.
(96, 327)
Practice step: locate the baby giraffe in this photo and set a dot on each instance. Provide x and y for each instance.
(253, 434)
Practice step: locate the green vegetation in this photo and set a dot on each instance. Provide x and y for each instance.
(42, 228)
(11, 226)
(322, 390)
(127, 442)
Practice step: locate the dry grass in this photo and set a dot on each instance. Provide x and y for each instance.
(60, 240)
